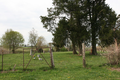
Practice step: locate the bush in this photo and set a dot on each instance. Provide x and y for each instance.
(63, 49)
(40, 50)
(112, 56)
(3, 50)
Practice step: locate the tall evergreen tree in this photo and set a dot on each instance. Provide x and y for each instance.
(74, 11)
(107, 33)
(97, 16)
(60, 34)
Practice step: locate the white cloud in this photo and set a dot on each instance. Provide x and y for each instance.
(115, 5)
(23, 15)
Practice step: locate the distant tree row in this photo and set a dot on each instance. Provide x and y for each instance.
(13, 39)
(81, 21)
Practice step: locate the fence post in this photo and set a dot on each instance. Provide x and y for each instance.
(51, 56)
(23, 59)
(30, 51)
(84, 63)
(2, 60)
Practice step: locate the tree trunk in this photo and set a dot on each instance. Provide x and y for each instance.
(80, 49)
(51, 56)
(74, 50)
(13, 49)
(94, 51)
(93, 20)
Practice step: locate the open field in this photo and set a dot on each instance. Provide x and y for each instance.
(67, 67)
(27, 50)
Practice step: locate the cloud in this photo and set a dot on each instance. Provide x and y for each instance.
(23, 15)
(114, 5)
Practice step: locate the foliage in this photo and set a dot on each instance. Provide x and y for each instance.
(12, 40)
(71, 16)
(60, 37)
(33, 36)
(63, 49)
(41, 42)
(102, 20)
(85, 19)
(107, 33)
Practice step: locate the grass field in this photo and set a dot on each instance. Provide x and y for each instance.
(67, 67)
(27, 50)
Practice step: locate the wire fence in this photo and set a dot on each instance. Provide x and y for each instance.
(15, 61)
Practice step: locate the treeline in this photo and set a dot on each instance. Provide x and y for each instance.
(13, 40)
(82, 21)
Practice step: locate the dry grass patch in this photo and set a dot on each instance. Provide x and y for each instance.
(112, 56)
(115, 69)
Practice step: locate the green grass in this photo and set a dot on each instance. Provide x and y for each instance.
(27, 50)
(67, 67)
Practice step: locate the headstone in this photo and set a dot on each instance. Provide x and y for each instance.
(30, 51)
(40, 58)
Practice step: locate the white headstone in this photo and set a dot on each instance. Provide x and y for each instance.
(40, 58)
(30, 51)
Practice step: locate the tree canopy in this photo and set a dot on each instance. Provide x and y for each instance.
(41, 42)
(33, 36)
(12, 40)
(83, 20)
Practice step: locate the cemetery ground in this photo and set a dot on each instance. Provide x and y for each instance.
(67, 67)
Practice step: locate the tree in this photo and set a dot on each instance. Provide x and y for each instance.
(74, 12)
(107, 34)
(98, 15)
(33, 36)
(59, 39)
(41, 42)
(12, 40)
(85, 18)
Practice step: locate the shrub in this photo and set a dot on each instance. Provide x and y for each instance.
(3, 50)
(63, 49)
(112, 56)
(40, 50)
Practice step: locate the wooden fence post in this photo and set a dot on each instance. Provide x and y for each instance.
(30, 51)
(23, 59)
(52, 61)
(84, 63)
(2, 60)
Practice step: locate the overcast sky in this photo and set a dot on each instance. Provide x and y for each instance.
(23, 15)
